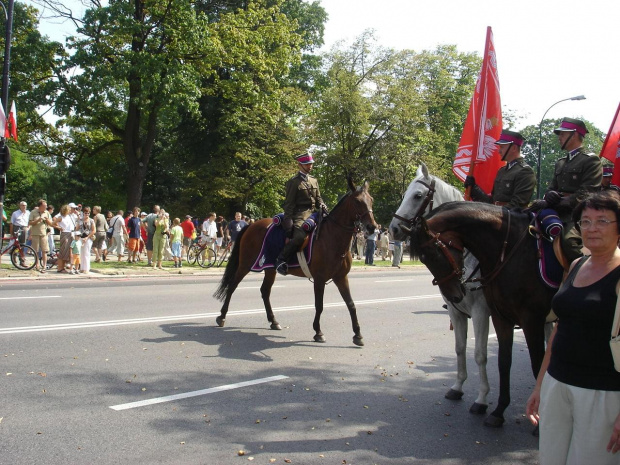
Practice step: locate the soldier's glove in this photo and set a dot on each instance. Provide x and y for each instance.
(324, 209)
(553, 198)
(537, 205)
(470, 181)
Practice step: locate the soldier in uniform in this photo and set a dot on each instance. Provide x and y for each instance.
(608, 172)
(514, 182)
(303, 197)
(575, 175)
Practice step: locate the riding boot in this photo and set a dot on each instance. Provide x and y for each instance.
(289, 250)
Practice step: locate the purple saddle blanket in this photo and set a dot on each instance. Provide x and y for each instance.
(273, 243)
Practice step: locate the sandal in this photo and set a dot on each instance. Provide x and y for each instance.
(62, 271)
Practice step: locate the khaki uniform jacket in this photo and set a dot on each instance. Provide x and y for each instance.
(302, 198)
(575, 178)
(513, 187)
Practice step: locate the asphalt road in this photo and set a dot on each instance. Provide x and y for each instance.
(90, 369)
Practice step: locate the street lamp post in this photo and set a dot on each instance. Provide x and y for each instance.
(579, 97)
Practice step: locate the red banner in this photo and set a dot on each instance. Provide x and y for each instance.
(611, 147)
(477, 154)
(11, 123)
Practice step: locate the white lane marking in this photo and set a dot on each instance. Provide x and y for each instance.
(202, 392)
(394, 281)
(196, 316)
(32, 297)
(493, 336)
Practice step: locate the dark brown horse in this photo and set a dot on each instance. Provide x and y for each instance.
(507, 254)
(331, 259)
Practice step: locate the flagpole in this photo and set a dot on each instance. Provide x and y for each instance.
(483, 95)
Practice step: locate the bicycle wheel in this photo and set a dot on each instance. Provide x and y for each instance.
(24, 258)
(206, 258)
(192, 253)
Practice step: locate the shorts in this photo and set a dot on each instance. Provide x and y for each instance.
(40, 243)
(176, 249)
(134, 244)
(219, 241)
(149, 242)
(187, 241)
(76, 259)
(99, 239)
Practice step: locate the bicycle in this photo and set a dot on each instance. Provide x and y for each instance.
(224, 253)
(202, 253)
(23, 257)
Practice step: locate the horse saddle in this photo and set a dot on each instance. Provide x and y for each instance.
(274, 241)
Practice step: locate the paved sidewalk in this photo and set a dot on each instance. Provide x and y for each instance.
(127, 270)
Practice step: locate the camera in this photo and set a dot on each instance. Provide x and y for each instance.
(83, 235)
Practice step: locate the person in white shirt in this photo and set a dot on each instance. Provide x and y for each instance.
(19, 222)
(118, 223)
(209, 230)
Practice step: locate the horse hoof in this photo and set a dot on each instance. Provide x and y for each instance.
(319, 338)
(454, 395)
(357, 340)
(276, 326)
(494, 422)
(478, 409)
(220, 321)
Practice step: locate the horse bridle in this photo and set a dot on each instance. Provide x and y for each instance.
(358, 219)
(457, 272)
(435, 239)
(427, 202)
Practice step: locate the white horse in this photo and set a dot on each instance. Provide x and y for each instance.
(424, 193)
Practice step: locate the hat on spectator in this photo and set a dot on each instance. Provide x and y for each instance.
(304, 158)
(572, 125)
(143, 214)
(72, 205)
(608, 171)
(188, 217)
(510, 137)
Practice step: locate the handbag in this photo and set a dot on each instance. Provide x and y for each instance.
(110, 232)
(614, 343)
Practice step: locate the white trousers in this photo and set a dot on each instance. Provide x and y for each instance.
(85, 255)
(576, 424)
(118, 246)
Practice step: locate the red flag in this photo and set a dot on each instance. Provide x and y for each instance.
(611, 147)
(11, 123)
(477, 150)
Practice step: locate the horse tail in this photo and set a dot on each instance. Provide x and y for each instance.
(231, 268)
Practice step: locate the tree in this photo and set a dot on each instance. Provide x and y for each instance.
(383, 112)
(138, 69)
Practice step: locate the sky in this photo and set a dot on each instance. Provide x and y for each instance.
(547, 50)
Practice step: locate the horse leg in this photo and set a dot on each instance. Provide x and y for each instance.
(221, 320)
(459, 323)
(505, 333)
(265, 292)
(343, 286)
(319, 292)
(480, 319)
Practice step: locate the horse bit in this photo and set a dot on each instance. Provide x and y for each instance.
(428, 202)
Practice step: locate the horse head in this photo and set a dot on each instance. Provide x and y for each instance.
(424, 193)
(359, 206)
(442, 253)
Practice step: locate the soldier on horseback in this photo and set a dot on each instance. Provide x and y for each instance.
(575, 175)
(303, 198)
(514, 183)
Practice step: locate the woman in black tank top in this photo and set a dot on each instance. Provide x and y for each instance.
(577, 393)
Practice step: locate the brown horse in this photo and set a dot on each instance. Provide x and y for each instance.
(508, 257)
(331, 259)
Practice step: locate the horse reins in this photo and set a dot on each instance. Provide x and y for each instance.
(435, 239)
(428, 202)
